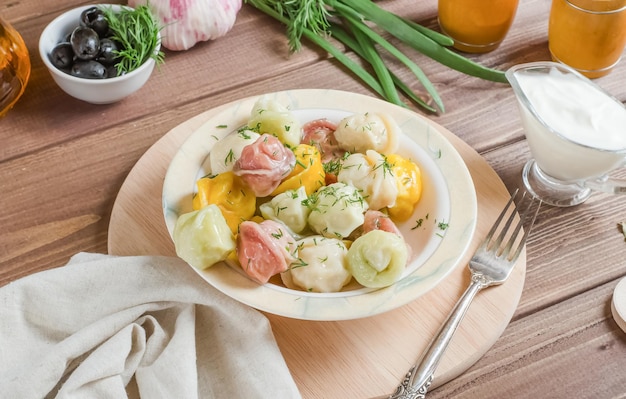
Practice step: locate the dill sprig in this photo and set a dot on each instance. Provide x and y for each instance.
(301, 15)
(137, 31)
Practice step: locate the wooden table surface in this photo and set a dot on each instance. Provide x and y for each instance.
(63, 162)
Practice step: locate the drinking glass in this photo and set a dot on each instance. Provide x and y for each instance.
(574, 130)
(588, 35)
(476, 26)
(14, 66)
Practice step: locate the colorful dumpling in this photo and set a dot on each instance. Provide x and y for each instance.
(320, 133)
(320, 266)
(202, 238)
(376, 220)
(409, 181)
(289, 208)
(263, 164)
(377, 258)
(264, 249)
(271, 117)
(336, 210)
(370, 173)
(228, 191)
(368, 131)
(228, 150)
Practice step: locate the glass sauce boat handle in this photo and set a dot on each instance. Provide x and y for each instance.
(606, 185)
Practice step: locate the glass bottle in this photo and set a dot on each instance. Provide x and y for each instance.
(14, 66)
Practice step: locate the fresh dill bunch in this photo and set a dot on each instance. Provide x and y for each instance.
(302, 15)
(137, 31)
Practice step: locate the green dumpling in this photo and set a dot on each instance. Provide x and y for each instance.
(377, 258)
(202, 238)
(268, 116)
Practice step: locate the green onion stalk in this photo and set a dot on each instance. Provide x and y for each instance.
(347, 22)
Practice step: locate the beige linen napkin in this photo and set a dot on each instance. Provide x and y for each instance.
(149, 327)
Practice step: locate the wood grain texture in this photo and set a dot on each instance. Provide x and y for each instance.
(574, 347)
(63, 162)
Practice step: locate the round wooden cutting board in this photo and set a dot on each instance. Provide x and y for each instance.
(360, 358)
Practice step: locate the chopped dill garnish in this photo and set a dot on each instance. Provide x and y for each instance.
(230, 157)
(278, 234)
(418, 224)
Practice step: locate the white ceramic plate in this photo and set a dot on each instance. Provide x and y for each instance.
(448, 197)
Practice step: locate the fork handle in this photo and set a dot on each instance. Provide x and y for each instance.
(418, 379)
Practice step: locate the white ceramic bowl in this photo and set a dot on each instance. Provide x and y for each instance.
(448, 196)
(95, 91)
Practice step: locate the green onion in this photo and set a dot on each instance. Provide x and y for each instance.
(341, 35)
(378, 65)
(351, 16)
(434, 35)
(397, 27)
(346, 21)
(323, 43)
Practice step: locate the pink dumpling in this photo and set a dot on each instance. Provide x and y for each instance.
(263, 164)
(320, 133)
(264, 249)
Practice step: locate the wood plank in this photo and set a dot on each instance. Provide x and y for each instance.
(573, 349)
(18, 11)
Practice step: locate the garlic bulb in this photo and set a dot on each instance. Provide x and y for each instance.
(187, 22)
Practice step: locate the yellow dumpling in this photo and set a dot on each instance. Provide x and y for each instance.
(408, 177)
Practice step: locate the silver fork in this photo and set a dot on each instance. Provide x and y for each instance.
(491, 265)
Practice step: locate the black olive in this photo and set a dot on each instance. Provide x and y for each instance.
(108, 52)
(89, 70)
(85, 43)
(94, 18)
(111, 71)
(62, 55)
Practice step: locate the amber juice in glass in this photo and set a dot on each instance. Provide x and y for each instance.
(14, 66)
(476, 26)
(588, 35)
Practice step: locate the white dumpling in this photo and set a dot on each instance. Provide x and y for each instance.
(371, 174)
(227, 151)
(270, 117)
(368, 131)
(337, 210)
(321, 266)
(289, 208)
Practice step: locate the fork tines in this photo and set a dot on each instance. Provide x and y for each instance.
(528, 207)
